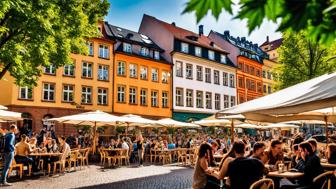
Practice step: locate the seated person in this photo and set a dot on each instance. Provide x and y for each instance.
(313, 144)
(296, 155)
(22, 150)
(201, 167)
(258, 150)
(331, 153)
(274, 154)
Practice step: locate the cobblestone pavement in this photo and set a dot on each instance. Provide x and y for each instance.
(147, 177)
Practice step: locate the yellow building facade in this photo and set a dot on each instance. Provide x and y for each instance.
(269, 76)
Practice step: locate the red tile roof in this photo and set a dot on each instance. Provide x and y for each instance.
(273, 44)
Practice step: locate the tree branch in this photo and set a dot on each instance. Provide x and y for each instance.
(4, 70)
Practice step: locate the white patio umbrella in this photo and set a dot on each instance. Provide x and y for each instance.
(248, 126)
(233, 118)
(168, 122)
(3, 107)
(130, 120)
(282, 126)
(6, 116)
(213, 122)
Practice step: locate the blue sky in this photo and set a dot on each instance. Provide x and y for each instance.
(128, 14)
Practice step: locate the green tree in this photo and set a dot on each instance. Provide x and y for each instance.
(35, 33)
(317, 18)
(301, 59)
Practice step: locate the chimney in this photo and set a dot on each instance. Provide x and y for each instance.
(200, 30)
(226, 32)
(267, 39)
(243, 39)
(173, 23)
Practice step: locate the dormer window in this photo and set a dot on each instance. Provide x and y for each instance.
(211, 55)
(198, 51)
(127, 48)
(185, 47)
(156, 55)
(144, 51)
(223, 58)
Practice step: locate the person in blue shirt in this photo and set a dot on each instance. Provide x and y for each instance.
(8, 153)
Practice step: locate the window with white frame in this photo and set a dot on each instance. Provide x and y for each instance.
(208, 75)
(103, 72)
(226, 101)
(144, 51)
(232, 81)
(211, 55)
(164, 99)
(48, 92)
(87, 70)
(86, 95)
(184, 47)
(127, 47)
(179, 69)
(198, 51)
(208, 100)
(189, 98)
(189, 71)
(133, 69)
(143, 97)
(199, 70)
(121, 94)
(217, 101)
(51, 69)
(121, 68)
(132, 95)
(154, 99)
(143, 72)
(165, 77)
(103, 51)
(225, 79)
(90, 47)
(68, 93)
(155, 74)
(179, 96)
(199, 99)
(102, 96)
(216, 77)
(68, 70)
(26, 93)
(156, 55)
(233, 101)
(223, 58)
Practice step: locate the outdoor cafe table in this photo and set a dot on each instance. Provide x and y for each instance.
(45, 154)
(276, 176)
(329, 166)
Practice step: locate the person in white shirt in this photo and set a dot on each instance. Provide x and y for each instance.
(124, 144)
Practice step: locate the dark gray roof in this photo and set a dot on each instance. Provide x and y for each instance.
(129, 36)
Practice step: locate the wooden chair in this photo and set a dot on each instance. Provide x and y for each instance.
(73, 159)
(14, 165)
(263, 184)
(110, 159)
(182, 156)
(85, 157)
(153, 155)
(61, 165)
(123, 155)
(324, 180)
(102, 156)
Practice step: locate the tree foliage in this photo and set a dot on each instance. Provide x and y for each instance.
(35, 33)
(316, 18)
(301, 59)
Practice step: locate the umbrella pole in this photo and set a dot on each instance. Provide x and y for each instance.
(127, 129)
(326, 126)
(94, 138)
(232, 131)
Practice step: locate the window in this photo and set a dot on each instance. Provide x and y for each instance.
(189, 98)
(179, 97)
(121, 94)
(252, 71)
(198, 51)
(184, 47)
(225, 79)
(68, 93)
(269, 89)
(226, 101)
(87, 70)
(240, 65)
(199, 70)
(211, 55)
(165, 77)
(143, 97)
(208, 100)
(121, 68)
(48, 92)
(103, 72)
(133, 69)
(102, 96)
(90, 47)
(247, 69)
(253, 87)
(233, 101)
(26, 93)
(103, 51)
(143, 72)
(154, 99)
(269, 75)
(216, 77)
(232, 81)
(259, 89)
(127, 48)
(179, 69)
(50, 69)
(189, 71)
(199, 99)
(264, 74)
(144, 51)
(217, 101)
(132, 95)
(223, 58)
(208, 75)
(69, 70)
(240, 82)
(86, 95)
(265, 88)
(156, 55)
(155, 74)
(164, 99)
(258, 73)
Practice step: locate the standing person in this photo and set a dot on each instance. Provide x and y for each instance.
(8, 153)
(140, 147)
(201, 167)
